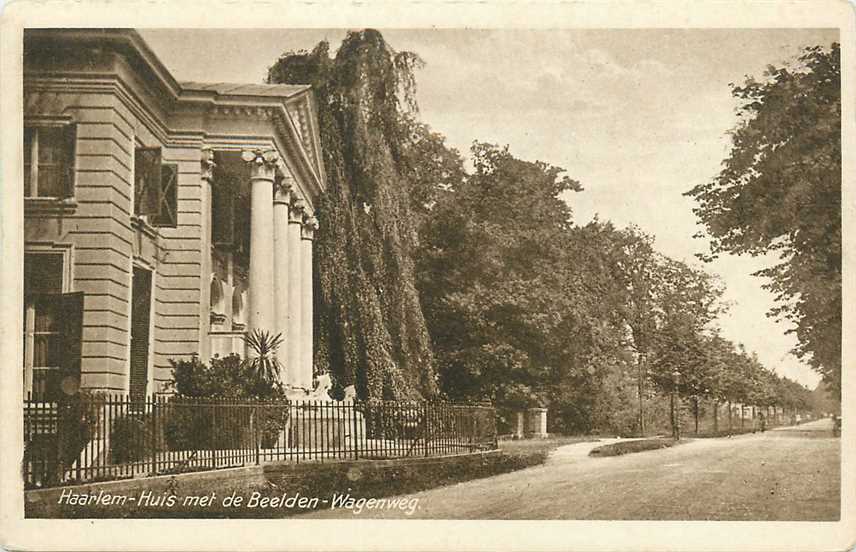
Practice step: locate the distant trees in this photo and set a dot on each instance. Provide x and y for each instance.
(779, 192)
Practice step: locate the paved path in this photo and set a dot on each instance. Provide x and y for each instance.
(784, 474)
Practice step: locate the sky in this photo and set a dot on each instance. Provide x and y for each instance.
(638, 116)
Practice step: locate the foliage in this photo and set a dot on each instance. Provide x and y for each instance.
(490, 278)
(477, 285)
(779, 191)
(370, 325)
(263, 361)
(131, 438)
(227, 376)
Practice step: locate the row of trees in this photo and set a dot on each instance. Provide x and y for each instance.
(525, 307)
(477, 283)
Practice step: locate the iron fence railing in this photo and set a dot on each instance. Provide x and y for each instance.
(100, 437)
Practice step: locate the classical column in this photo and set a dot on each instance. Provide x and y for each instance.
(310, 224)
(282, 195)
(293, 343)
(261, 313)
(207, 173)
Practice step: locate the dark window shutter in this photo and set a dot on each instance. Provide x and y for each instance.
(70, 138)
(147, 180)
(222, 213)
(140, 319)
(167, 214)
(71, 335)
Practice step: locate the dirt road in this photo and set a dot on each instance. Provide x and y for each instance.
(784, 474)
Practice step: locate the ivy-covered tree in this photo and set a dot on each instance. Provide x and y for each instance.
(779, 191)
(370, 326)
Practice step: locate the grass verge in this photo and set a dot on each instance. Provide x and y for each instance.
(535, 451)
(628, 447)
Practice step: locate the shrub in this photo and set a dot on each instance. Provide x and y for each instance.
(189, 424)
(132, 438)
(228, 376)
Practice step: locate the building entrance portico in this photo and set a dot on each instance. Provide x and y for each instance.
(261, 259)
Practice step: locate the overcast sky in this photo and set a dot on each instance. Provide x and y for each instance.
(637, 116)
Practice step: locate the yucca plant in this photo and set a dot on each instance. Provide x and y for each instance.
(262, 359)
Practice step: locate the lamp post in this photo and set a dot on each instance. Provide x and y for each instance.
(676, 416)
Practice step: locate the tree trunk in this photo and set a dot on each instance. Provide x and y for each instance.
(742, 419)
(641, 385)
(672, 414)
(730, 417)
(715, 417)
(695, 413)
(677, 417)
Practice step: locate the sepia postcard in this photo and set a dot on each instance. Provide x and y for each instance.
(427, 276)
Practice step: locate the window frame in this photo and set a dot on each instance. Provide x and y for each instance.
(163, 198)
(41, 248)
(66, 124)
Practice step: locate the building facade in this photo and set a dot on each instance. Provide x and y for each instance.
(162, 219)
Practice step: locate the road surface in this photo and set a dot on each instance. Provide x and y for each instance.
(784, 474)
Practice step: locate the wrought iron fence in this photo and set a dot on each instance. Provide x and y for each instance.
(99, 437)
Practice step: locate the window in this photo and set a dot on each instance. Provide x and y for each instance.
(155, 188)
(49, 153)
(223, 209)
(53, 324)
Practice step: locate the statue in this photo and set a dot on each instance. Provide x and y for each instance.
(322, 389)
(350, 393)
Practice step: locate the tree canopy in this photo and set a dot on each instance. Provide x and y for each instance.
(471, 284)
(779, 192)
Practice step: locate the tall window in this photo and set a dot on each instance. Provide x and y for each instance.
(53, 326)
(42, 281)
(155, 188)
(49, 153)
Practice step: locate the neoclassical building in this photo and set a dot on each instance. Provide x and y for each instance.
(162, 219)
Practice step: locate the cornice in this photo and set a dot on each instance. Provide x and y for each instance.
(299, 138)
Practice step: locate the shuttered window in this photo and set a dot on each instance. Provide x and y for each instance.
(49, 160)
(147, 181)
(53, 325)
(167, 212)
(155, 188)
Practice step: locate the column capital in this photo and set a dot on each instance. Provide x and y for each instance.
(283, 186)
(208, 164)
(296, 210)
(263, 162)
(309, 226)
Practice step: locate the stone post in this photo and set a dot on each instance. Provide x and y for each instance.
(261, 280)
(282, 195)
(536, 422)
(519, 424)
(294, 332)
(310, 224)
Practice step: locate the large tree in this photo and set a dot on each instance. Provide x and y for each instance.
(779, 191)
(370, 325)
(492, 279)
